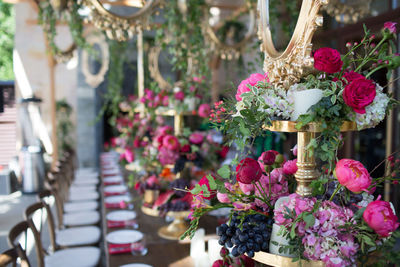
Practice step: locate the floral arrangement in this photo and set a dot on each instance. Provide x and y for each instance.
(340, 86)
(340, 224)
(343, 222)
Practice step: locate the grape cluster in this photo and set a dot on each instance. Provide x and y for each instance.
(175, 205)
(180, 184)
(340, 198)
(251, 236)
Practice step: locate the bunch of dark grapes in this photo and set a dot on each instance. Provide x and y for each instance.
(340, 198)
(180, 164)
(179, 184)
(175, 205)
(251, 236)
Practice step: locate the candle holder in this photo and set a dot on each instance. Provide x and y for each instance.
(174, 230)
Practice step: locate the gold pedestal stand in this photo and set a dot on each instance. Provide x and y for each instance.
(150, 212)
(175, 229)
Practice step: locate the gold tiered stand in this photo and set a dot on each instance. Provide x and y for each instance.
(305, 174)
(174, 230)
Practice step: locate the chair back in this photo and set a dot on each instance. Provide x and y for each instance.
(44, 196)
(40, 207)
(11, 256)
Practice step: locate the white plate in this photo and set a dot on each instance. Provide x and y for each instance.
(115, 188)
(124, 236)
(121, 215)
(113, 179)
(117, 199)
(136, 265)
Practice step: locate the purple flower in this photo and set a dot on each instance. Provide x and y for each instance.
(390, 26)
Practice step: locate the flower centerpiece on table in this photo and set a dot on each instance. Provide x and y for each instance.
(340, 224)
(339, 89)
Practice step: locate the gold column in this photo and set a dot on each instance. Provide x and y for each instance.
(306, 172)
(389, 141)
(178, 124)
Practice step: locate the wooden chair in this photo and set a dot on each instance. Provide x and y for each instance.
(77, 256)
(11, 256)
(72, 219)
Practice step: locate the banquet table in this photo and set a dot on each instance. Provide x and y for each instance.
(161, 252)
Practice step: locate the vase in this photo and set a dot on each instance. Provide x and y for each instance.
(275, 238)
(150, 196)
(303, 100)
(191, 103)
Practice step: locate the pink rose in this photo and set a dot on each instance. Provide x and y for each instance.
(353, 175)
(196, 138)
(327, 60)
(247, 189)
(164, 130)
(185, 148)
(204, 110)
(171, 142)
(165, 101)
(149, 95)
(204, 181)
(359, 93)
(380, 217)
(180, 95)
(290, 167)
(223, 198)
(248, 171)
(390, 26)
(136, 143)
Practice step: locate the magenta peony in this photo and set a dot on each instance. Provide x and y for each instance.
(327, 60)
(179, 95)
(171, 142)
(290, 167)
(359, 93)
(196, 138)
(248, 171)
(204, 110)
(350, 76)
(380, 217)
(353, 175)
(252, 80)
(167, 156)
(129, 156)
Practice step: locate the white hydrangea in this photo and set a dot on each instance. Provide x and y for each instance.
(375, 112)
(367, 198)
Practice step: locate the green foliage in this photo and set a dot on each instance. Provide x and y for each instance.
(7, 28)
(48, 18)
(185, 37)
(64, 126)
(115, 78)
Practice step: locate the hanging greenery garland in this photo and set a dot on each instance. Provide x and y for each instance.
(183, 27)
(48, 17)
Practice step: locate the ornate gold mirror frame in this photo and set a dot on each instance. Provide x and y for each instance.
(230, 51)
(95, 79)
(349, 11)
(154, 55)
(287, 67)
(121, 28)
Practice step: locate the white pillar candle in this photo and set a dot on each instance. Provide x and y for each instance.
(213, 250)
(303, 100)
(197, 245)
(274, 249)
